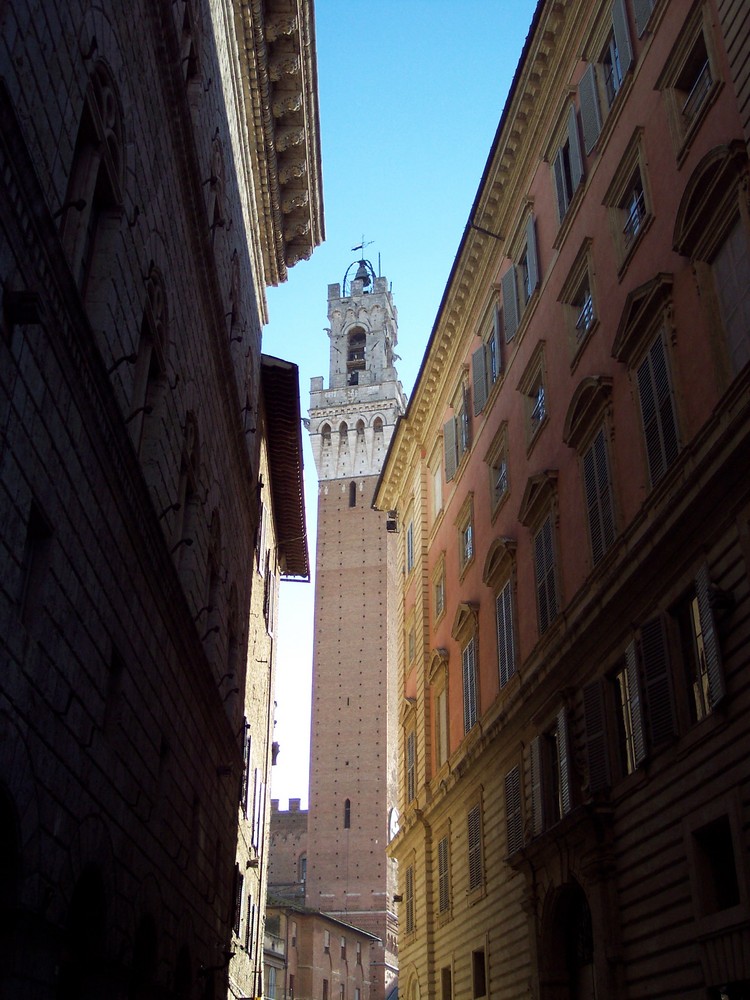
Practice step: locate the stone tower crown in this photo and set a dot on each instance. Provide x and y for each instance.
(352, 420)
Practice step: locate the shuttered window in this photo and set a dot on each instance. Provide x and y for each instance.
(480, 380)
(657, 682)
(597, 751)
(475, 848)
(513, 820)
(506, 654)
(535, 786)
(567, 168)
(409, 898)
(449, 447)
(657, 410)
(642, 11)
(634, 706)
(470, 685)
(711, 650)
(544, 568)
(563, 762)
(519, 282)
(511, 304)
(411, 761)
(486, 362)
(598, 490)
(602, 80)
(443, 876)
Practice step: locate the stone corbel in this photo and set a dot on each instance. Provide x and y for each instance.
(295, 201)
(294, 170)
(278, 26)
(287, 65)
(287, 105)
(287, 138)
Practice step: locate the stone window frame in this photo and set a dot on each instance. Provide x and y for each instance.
(696, 34)
(533, 387)
(497, 458)
(538, 506)
(435, 466)
(476, 880)
(551, 772)
(499, 574)
(629, 202)
(521, 281)
(465, 631)
(444, 894)
(599, 112)
(457, 430)
(467, 543)
(487, 368)
(578, 300)
(437, 580)
(439, 679)
(564, 154)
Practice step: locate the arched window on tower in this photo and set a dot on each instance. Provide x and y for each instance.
(360, 429)
(352, 494)
(325, 434)
(347, 814)
(355, 355)
(343, 434)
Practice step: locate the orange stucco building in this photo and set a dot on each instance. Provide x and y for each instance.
(570, 480)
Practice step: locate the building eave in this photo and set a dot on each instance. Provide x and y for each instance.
(278, 56)
(283, 429)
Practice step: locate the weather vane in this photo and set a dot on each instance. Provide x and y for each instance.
(362, 245)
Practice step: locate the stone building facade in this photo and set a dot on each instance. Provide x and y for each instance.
(574, 509)
(160, 167)
(353, 766)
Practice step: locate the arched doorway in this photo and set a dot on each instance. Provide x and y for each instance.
(567, 947)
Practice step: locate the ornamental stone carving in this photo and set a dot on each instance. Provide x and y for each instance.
(279, 25)
(284, 66)
(297, 230)
(287, 105)
(299, 200)
(294, 170)
(286, 138)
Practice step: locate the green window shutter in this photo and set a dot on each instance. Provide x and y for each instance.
(513, 821)
(558, 172)
(714, 669)
(657, 682)
(597, 749)
(479, 379)
(574, 145)
(591, 115)
(449, 447)
(535, 775)
(531, 252)
(505, 642)
(510, 302)
(622, 35)
(642, 11)
(636, 709)
(563, 761)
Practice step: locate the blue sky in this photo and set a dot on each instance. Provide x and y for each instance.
(411, 93)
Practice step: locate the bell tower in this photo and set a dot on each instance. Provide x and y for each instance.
(354, 763)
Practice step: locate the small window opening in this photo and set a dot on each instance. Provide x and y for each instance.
(352, 494)
(717, 871)
(347, 814)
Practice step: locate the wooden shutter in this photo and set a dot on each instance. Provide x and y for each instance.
(597, 749)
(479, 378)
(574, 145)
(545, 576)
(532, 257)
(535, 775)
(449, 448)
(510, 302)
(513, 824)
(622, 35)
(558, 171)
(591, 115)
(598, 497)
(657, 411)
(409, 894)
(505, 645)
(657, 682)
(443, 881)
(716, 686)
(497, 333)
(470, 686)
(475, 847)
(410, 766)
(642, 11)
(636, 709)
(563, 760)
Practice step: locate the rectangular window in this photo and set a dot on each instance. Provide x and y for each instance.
(716, 875)
(567, 167)
(731, 273)
(583, 306)
(657, 410)
(478, 974)
(437, 489)
(550, 773)
(457, 433)
(598, 491)
(633, 208)
(343, 947)
(291, 987)
(443, 876)
(506, 652)
(497, 464)
(446, 984)
(465, 525)
(325, 989)
(470, 685)
(411, 766)
(409, 898)
(438, 591)
(520, 281)
(476, 874)
(486, 360)
(603, 78)
(410, 547)
(249, 924)
(441, 726)
(701, 654)
(513, 819)
(544, 571)
(327, 942)
(411, 642)
(239, 882)
(359, 952)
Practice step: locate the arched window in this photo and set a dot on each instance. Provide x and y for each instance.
(377, 425)
(91, 209)
(150, 363)
(360, 429)
(355, 355)
(347, 814)
(325, 433)
(343, 432)
(352, 494)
